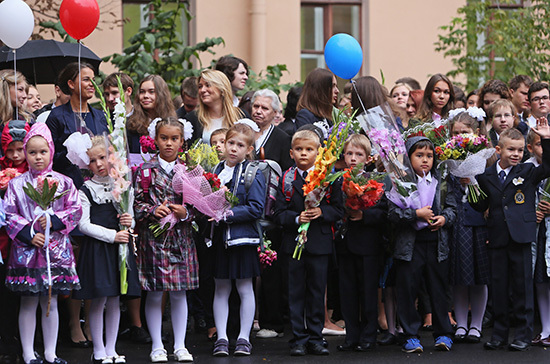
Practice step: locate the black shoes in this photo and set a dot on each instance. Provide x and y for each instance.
(136, 334)
(365, 347)
(346, 347)
(518, 345)
(298, 350)
(387, 339)
(494, 345)
(317, 349)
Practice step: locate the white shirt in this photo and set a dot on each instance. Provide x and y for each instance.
(214, 125)
(507, 170)
(260, 142)
(226, 174)
(166, 166)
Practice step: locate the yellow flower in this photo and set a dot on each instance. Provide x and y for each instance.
(456, 154)
(448, 153)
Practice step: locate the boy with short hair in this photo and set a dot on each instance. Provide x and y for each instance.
(511, 188)
(307, 276)
(422, 251)
(217, 140)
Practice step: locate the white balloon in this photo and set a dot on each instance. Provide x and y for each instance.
(16, 23)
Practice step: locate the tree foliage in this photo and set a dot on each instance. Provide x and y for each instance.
(270, 79)
(495, 40)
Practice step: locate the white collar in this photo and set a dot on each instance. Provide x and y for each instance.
(262, 139)
(427, 177)
(499, 168)
(301, 172)
(166, 166)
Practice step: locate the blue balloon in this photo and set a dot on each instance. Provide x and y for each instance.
(343, 55)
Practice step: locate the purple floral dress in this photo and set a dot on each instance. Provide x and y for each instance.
(27, 266)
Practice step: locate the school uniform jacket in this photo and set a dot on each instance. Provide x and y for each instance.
(512, 204)
(277, 147)
(320, 234)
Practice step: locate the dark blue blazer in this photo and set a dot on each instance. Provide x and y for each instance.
(512, 206)
(320, 235)
(305, 117)
(61, 122)
(366, 236)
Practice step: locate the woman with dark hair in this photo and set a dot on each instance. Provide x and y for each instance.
(372, 94)
(236, 71)
(491, 91)
(153, 100)
(75, 115)
(472, 99)
(289, 124)
(439, 98)
(319, 95)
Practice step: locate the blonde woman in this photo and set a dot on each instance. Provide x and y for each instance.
(216, 108)
(10, 97)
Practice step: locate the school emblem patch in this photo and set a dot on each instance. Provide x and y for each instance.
(519, 197)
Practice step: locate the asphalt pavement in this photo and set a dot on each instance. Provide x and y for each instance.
(277, 351)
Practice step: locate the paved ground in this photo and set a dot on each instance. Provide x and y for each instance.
(276, 351)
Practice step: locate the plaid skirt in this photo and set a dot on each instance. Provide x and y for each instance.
(168, 263)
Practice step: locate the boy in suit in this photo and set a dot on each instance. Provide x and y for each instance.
(307, 276)
(511, 188)
(422, 251)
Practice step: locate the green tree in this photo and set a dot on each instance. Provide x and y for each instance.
(156, 48)
(497, 40)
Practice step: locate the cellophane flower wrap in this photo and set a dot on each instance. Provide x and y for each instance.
(119, 171)
(44, 194)
(408, 191)
(361, 192)
(321, 177)
(465, 156)
(200, 190)
(6, 175)
(437, 131)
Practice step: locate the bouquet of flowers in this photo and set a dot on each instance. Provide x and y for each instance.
(320, 178)
(147, 144)
(6, 175)
(361, 192)
(119, 171)
(202, 191)
(408, 191)
(436, 131)
(465, 156)
(44, 194)
(201, 154)
(268, 256)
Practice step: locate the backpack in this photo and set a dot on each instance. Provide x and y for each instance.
(272, 172)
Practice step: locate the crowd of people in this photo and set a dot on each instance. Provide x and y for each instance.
(375, 276)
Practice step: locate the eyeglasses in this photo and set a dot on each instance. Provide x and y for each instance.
(502, 116)
(539, 98)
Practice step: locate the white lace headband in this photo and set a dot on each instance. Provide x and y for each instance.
(250, 123)
(475, 112)
(187, 128)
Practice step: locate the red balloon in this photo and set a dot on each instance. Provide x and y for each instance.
(79, 17)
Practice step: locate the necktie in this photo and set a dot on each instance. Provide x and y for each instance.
(502, 177)
(304, 175)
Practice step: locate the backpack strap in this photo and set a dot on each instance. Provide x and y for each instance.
(146, 179)
(250, 174)
(288, 177)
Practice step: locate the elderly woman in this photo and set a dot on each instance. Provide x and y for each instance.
(271, 142)
(215, 109)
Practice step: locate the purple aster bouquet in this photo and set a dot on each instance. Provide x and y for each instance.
(408, 190)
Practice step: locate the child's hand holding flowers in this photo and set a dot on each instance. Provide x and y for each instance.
(125, 220)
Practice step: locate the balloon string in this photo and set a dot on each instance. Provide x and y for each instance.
(353, 83)
(79, 118)
(15, 79)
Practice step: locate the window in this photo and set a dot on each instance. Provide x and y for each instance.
(319, 21)
(133, 13)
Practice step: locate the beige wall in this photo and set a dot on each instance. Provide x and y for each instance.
(400, 37)
(262, 32)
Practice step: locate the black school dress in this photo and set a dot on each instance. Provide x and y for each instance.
(98, 267)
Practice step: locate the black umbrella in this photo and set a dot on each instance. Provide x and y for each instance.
(42, 60)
